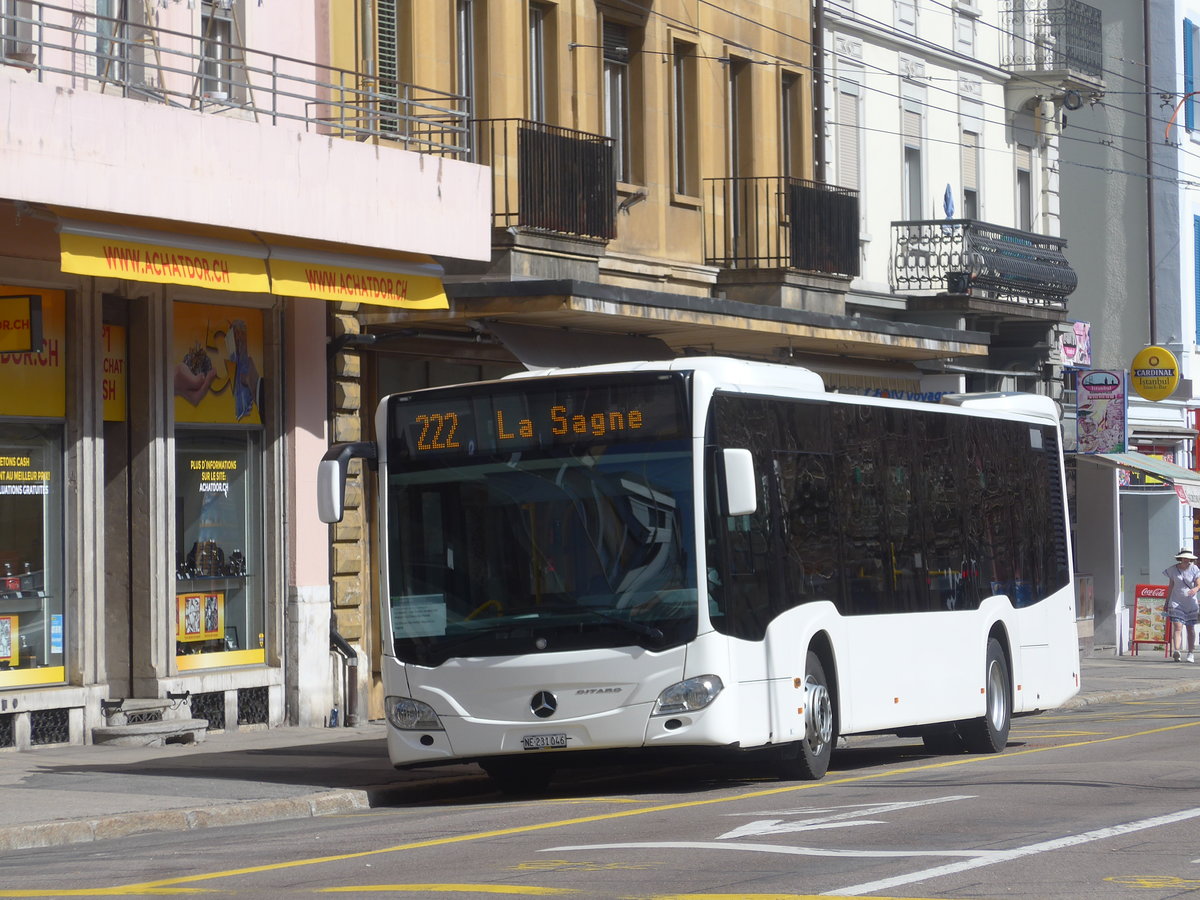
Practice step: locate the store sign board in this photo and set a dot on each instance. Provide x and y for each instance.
(20, 323)
(1149, 615)
(1155, 373)
(339, 283)
(216, 359)
(113, 387)
(107, 257)
(35, 383)
(1101, 402)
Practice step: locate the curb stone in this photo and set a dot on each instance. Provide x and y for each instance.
(79, 831)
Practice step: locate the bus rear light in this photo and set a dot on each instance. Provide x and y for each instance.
(688, 696)
(407, 714)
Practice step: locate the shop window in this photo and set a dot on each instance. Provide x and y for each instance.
(219, 605)
(218, 547)
(31, 552)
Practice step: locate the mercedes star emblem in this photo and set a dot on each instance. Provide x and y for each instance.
(544, 704)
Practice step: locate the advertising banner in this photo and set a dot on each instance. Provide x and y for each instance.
(1101, 421)
(218, 350)
(1149, 616)
(35, 383)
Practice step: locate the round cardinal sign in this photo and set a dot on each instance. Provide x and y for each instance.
(1155, 373)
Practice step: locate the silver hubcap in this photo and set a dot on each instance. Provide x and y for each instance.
(997, 696)
(818, 715)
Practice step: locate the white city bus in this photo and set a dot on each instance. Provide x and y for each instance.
(711, 553)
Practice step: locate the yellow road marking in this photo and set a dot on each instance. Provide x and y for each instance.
(153, 886)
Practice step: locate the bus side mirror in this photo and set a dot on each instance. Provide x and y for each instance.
(739, 495)
(331, 477)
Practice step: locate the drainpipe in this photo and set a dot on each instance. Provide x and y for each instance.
(342, 648)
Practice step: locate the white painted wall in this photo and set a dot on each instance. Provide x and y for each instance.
(83, 149)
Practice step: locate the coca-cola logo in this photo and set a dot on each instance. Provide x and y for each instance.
(1151, 590)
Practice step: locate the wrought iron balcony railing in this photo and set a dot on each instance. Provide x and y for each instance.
(778, 222)
(1051, 35)
(549, 179)
(84, 51)
(963, 256)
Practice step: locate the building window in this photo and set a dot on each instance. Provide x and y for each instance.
(1024, 188)
(538, 14)
(906, 16)
(31, 554)
(616, 97)
(913, 185)
(970, 175)
(964, 34)
(218, 29)
(219, 602)
(684, 155)
(849, 134)
(1196, 271)
(791, 121)
(1191, 50)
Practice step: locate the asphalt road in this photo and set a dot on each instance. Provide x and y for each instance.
(1100, 801)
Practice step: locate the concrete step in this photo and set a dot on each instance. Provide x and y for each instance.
(152, 734)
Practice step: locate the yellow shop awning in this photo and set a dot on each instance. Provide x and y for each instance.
(291, 268)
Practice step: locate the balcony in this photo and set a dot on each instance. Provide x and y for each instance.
(548, 179)
(72, 48)
(1057, 40)
(973, 259)
(777, 222)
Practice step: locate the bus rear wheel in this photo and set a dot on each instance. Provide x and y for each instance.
(519, 776)
(989, 733)
(808, 759)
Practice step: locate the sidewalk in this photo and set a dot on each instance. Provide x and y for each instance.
(65, 795)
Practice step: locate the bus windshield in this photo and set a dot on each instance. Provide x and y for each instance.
(579, 544)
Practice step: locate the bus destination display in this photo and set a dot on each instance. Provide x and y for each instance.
(508, 421)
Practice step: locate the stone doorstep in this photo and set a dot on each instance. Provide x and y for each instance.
(152, 734)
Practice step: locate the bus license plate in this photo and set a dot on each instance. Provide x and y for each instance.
(543, 741)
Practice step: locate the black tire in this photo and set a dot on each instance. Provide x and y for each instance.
(989, 733)
(808, 759)
(519, 776)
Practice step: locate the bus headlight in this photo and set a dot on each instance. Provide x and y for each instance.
(407, 714)
(688, 696)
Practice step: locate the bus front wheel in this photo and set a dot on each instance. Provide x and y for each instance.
(808, 759)
(989, 733)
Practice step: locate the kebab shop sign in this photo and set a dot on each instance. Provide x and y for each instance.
(1155, 373)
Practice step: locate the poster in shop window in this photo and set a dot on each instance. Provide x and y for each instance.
(216, 364)
(35, 383)
(200, 616)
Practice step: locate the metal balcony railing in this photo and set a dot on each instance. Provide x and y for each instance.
(963, 256)
(84, 51)
(550, 179)
(1051, 36)
(776, 222)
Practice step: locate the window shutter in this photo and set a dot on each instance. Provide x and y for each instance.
(616, 42)
(1024, 158)
(970, 161)
(387, 37)
(912, 128)
(848, 171)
